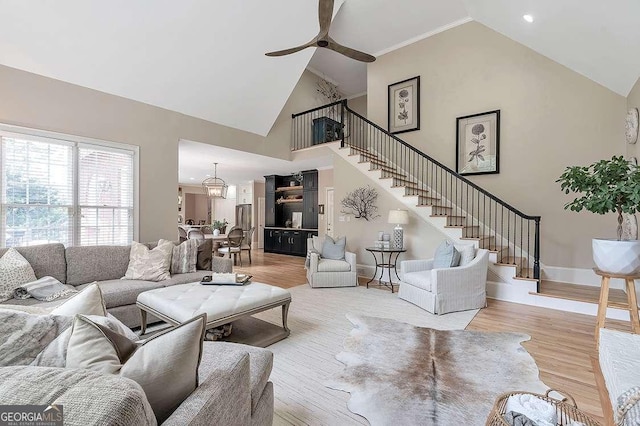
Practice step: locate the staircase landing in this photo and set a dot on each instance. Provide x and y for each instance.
(582, 293)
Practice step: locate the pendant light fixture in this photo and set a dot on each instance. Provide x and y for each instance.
(215, 187)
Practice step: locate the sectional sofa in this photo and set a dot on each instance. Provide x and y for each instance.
(234, 386)
(81, 266)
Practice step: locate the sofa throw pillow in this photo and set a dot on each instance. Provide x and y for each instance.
(15, 271)
(88, 302)
(334, 249)
(446, 256)
(149, 265)
(184, 256)
(165, 366)
(205, 254)
(467, 254)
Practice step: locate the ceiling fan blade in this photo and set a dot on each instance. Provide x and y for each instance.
(325, 14)
(292, 50)
(351, 53)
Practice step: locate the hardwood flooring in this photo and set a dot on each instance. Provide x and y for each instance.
(562, 343)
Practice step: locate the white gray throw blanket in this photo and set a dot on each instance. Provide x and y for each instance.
(45, 289)
(24, 336)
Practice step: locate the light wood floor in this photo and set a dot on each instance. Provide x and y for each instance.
(561, 342)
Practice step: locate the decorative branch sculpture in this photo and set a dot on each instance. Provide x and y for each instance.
(361, 202)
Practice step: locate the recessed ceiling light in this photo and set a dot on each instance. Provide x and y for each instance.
(528, 18)
(192, 178)
(208, 175)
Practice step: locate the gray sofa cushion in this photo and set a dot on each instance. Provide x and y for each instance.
(216, 354)
(96, 263)
(123, 292)
(88, 397)
(190, 277)
(45, 259)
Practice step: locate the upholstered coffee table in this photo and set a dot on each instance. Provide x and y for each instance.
(222, 304)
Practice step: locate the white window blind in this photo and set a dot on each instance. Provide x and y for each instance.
(67, 192)
(105, 196)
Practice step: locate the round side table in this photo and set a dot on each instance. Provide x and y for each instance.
(389, 264)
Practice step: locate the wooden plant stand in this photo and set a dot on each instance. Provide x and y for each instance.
(632, 300)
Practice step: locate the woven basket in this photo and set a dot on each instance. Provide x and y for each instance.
(566, 409)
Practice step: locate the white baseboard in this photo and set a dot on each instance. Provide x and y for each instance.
(576, 276)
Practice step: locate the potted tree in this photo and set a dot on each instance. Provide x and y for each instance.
(608, 186)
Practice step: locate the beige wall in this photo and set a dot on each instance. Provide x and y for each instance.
(359, 105)
(258, 192)
(43, 103)
(551, 117)
(420, 239)
(633, 101)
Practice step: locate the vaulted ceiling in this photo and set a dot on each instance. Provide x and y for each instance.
(205, 58)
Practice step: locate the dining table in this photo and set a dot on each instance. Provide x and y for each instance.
(217, 241)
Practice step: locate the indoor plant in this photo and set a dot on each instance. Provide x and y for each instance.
(220, 226)
(608, 186)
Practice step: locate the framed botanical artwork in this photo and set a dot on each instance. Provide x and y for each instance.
(403, 100)
(478, 143)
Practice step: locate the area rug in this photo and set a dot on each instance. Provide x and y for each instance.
(398, 373)
(306, 359)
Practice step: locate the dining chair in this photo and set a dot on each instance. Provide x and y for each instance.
(182, 234)
(195, 234)
(246, 244)
(234, 243)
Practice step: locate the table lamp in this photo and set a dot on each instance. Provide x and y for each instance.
(399, 217)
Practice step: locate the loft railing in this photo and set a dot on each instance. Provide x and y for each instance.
(497, 226)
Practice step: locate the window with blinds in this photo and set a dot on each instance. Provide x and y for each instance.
(67, 192)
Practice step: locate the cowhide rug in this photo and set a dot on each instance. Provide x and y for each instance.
(405, 375)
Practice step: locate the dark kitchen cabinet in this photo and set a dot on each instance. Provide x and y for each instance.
(310, 210)
(270, 184)
(310, 180)
(269, 210)
(284, 199)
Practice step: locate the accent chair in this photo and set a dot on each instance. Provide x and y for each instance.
(330, 272)
(444, 290)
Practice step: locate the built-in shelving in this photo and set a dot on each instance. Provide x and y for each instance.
(285, 199)
(288, 200)
(289, 188)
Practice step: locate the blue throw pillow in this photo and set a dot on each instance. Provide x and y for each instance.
(446, 256)
(334, 249)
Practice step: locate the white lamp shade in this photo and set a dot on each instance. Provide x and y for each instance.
(401, 217)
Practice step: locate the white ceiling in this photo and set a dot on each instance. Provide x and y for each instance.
(596, 38)
(195, 164)
(374, 26)
(205, 58)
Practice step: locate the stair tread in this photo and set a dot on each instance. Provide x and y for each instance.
(522, 275)
(433, 205)
(582, 293)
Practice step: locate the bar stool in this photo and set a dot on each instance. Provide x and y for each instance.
(604, 301)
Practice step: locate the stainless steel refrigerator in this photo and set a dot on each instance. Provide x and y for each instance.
(243, 216)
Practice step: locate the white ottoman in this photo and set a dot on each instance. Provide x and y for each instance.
(222, 303)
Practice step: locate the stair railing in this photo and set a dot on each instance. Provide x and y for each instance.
(495, 224)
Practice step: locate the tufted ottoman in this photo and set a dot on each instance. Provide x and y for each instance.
(222, 304)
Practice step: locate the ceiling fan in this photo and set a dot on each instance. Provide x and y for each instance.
(325, 13)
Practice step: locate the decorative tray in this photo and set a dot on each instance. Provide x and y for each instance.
(241, 279)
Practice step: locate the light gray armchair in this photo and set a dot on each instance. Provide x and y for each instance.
(444, 290)
(332, 273)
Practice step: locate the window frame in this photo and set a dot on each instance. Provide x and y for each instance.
(9, 130)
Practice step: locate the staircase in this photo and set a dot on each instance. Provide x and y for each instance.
(458, 208)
